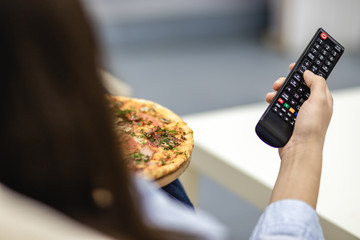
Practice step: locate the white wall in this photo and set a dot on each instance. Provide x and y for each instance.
(130, 21)
(295, 21)
(144, 10)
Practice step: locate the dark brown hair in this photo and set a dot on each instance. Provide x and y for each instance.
(56, 139)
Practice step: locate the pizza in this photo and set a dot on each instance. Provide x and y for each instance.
(154, 141)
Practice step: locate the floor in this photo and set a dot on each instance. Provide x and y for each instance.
(190, 76)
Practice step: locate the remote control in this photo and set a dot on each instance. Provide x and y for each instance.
(276, 125)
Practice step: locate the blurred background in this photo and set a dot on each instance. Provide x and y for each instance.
(196, 56)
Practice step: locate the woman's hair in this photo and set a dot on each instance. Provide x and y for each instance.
(57, 144)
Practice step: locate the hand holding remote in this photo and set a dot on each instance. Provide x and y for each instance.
(315, 114)
(301, 157)
(277, 124)
(301, 144)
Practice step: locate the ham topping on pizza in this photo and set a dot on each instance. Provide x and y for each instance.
(164, 138)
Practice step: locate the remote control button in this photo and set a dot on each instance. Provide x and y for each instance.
(314, 69)
(325, 68)
(328, 63)
(327, 47)
(321, 57)
(307, 63)
(314, 51)
(334, 53)
(283, 110)
(297, 77)
(293, 102)
(311, 56)
(292, 123)
(278, 105)
(292, 110)
(321, 74)
(323, 36)
(281, 101)
(338, 48)
(317, 46)
(302, 100)
(324, 52)
(298, 108)
(288, 114)
(302, 69)
(285, 96)
(296, 96)
(300, 90)
(281, 114)
(286, 119)
(331, 58)
(294, 83)
(286, 105)
(307, 95)
(318, 62)
(321, 42)
(289, 89)
(275, 109)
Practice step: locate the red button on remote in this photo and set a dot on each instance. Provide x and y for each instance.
(323, 36)
(280, 101)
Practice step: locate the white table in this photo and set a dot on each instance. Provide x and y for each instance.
(228, 150)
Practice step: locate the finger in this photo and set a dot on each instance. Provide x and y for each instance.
(291, 66)
(278, 83)
(313, 81)
(318, 87)
(320, 93)
(269, 96)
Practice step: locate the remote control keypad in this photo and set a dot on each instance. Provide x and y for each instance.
(320, 59)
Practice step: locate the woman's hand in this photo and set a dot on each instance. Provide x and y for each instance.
(301, 157)
(314, 116)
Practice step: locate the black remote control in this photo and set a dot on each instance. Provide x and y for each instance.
(277, 123)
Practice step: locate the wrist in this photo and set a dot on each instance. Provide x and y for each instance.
(304, 159)
(300, 173)
(302, 150)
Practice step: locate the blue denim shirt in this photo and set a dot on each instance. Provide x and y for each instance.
(282, 220)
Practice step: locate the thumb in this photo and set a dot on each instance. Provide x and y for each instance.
(313, 81)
